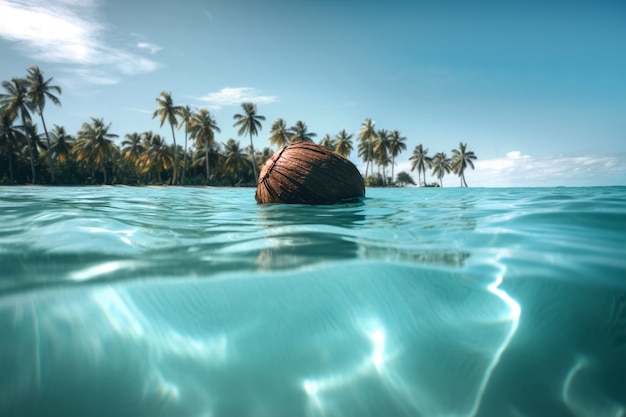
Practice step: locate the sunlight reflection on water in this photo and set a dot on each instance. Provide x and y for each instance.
(447, 303)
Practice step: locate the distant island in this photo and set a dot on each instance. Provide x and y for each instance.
(91, 156)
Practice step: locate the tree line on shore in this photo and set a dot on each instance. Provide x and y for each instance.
(92, 156)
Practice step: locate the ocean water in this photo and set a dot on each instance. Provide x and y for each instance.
(198, 302)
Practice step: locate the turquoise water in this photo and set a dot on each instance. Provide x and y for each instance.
(418, 302)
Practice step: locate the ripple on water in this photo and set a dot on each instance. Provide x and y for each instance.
(473, 302)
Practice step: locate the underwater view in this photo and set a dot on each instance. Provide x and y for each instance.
(197, 302)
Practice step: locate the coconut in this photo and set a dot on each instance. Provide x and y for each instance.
(306, 173)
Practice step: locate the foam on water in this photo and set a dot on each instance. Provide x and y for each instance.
(417, 302)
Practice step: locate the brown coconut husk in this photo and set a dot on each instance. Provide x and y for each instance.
(306, 173)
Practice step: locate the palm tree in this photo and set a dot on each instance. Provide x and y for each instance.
(61, 144)
(300, 133)
(461, 158)
(185, 120)
(263, 156)
(161, 157)
(202, 128)
(343, 143)
(15, 103)
(381, 151)
(95, 146)
(61, 147)
(363, 152)
(250, 123)
(279, 134)
(132, 148)
(10, 138)
(420, 160)
(367, 134)
(147, 138)
(38, 93)
(234, 158)
(168, 111)
(32, 133)
(327, 142)
(441, 166)
(396, 145)
(157, 156)
(207, 154)
(384, 162)
(143, 162)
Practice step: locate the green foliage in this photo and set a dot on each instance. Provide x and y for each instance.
(374, 181)
(404, 179)
(343, 143)
(249, 122)
(279, 133)
(300, 133)
(461, 159)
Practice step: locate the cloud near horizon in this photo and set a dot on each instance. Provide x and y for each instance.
(68, 32)
(150, 47)
(229, 96)
(518, 170)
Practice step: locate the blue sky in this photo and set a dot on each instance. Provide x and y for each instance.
(536, 89)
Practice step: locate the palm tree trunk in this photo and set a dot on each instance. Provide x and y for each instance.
(369, 157)
(30, 151)
(252, 157)
(50, 162)
(175, 178)
(9, 155)
(206, 162)
(393, 163)
(184, 158)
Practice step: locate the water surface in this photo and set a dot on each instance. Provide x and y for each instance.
(417, 302)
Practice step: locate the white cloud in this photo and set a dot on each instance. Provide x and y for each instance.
(234, 96)
(143, 111)
(518, 170)
(152, 48)
(75, 77)
(68, 32)
(515, 155)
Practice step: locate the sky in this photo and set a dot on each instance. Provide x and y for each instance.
(537, 89)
